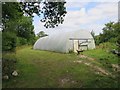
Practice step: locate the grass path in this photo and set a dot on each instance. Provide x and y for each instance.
(89, 62)
(43, 69)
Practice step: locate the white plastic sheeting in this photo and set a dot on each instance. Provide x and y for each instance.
(60, 42)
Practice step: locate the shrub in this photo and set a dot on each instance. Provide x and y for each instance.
(8, 41)
(107, 45)
(21, 41)
(32, 41)
(8, 66)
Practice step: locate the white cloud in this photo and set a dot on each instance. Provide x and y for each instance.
(99, 13)
(85, 18)
(92, 0)
(75, 4)
(104, 8)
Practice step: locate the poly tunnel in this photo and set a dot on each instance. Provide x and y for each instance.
(66, 41)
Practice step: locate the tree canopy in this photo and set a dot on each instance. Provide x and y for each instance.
(110, 34)
(41, 34)
(53, 12)
(17, 27)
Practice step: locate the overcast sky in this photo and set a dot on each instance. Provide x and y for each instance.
(85, 15)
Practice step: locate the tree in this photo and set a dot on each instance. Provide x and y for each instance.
(117, 29)
(17, 25)
(10, 11)
(17, 19)
(25, 30)
(110, 34)
(41, 34)
(93, 34)
(9, 41)
(53, 12)
(97, 39)
(24, 27)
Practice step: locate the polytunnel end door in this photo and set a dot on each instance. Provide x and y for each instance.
(75, 45)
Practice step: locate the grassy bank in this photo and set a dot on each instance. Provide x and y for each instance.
(39, 69)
